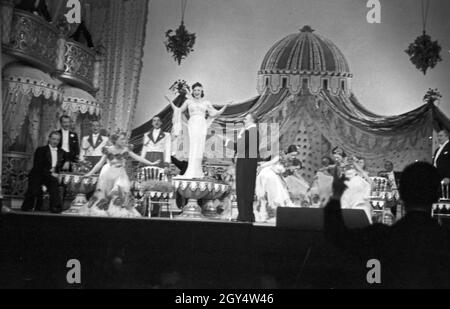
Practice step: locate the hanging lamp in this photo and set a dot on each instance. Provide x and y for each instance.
(180, 42)
(424, 53)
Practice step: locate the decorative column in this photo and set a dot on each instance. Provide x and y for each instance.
(96, 79)
(61, 49)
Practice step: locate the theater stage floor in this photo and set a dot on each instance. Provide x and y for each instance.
(138, 253)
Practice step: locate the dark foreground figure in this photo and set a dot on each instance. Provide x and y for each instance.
(414, 252)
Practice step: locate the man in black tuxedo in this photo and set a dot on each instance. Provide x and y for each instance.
(48, 161)
(414, 252)
(247, 152)
(441, 158)
(69, 140)
(182, 166)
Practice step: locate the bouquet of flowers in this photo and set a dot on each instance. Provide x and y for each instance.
(182, 87)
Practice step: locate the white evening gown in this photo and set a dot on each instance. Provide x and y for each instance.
(197, 127)
(112, 194)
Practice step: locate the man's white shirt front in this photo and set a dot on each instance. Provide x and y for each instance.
(94, 138)
(65, 140)
(156, 134)
(54, 154)
(438, 153)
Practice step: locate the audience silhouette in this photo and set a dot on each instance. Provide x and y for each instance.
(414, 252)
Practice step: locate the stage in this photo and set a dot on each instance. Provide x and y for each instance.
(140, 253)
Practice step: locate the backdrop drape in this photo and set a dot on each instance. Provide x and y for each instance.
(119, 26)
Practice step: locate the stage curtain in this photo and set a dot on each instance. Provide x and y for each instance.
(15, 109)
(401, 139)
(119, 26)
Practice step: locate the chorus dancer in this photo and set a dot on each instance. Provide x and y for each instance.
(271, 189)
(201, 114)
(297, 186)
(112, 195)
(358, 189)
(340, 159)
(360, 165)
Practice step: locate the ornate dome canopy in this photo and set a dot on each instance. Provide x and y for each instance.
(304, 54)
(24, 79)
(77, 100)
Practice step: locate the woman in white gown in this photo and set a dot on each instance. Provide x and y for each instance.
(199, 109)
(112, 195)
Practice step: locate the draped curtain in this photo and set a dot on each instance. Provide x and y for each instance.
(15, 109)
(18, 92)
(120, 27)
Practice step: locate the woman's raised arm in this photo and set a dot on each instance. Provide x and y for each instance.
(213, 112)
(274, 160)
(182, 108)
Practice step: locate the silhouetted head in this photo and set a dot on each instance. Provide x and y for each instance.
(419, 186)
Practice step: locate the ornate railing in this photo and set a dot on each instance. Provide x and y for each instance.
(15, 173)
(34, 40)
(79, 66)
